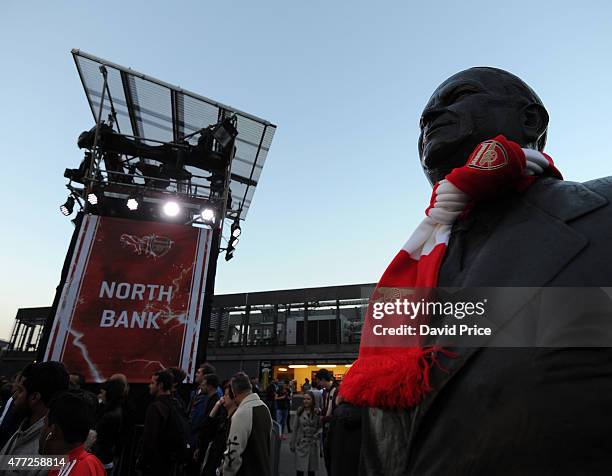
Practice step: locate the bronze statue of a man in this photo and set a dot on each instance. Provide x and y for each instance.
(537, 410)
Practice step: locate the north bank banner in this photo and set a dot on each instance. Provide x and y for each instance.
(132, 300)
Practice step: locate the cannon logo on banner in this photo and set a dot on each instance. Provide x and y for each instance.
(132, 300)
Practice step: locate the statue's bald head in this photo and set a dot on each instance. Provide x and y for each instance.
(475, 105)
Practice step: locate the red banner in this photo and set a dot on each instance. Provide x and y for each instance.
(132, 299)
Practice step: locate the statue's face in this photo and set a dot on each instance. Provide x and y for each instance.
(466, 109)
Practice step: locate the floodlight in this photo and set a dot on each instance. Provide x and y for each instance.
(208, 215)
(236, 229)
(68, 207)
(132, 203)
(225, 132)
(92, 198)
(171, 209)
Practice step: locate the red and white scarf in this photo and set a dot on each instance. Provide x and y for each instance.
(397, 377)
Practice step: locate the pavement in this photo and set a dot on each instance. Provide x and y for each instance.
(287, 461)
(287, 458)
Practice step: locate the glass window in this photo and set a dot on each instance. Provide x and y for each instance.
(322, 322)
(281, 324)
(235, 327)
(218, 326)
(261, 325)
(352, 314)
(295, 332)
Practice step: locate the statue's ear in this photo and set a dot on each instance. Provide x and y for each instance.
(534, 121)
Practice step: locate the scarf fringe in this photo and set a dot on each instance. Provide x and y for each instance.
(396, 380)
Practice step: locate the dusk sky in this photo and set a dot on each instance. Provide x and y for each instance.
(345, 82)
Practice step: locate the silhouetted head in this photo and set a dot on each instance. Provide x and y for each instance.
(472, 106)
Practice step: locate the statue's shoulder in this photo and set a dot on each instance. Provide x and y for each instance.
(603, 186)
(568, 200)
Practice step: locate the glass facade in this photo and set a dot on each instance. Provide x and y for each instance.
(295, 322)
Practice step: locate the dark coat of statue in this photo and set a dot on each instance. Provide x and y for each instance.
(540, 410)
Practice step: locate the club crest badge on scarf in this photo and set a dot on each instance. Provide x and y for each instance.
(489, 155)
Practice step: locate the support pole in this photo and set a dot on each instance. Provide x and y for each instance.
(209, 295)
(338, 325)
(94, 165)
(212, 263)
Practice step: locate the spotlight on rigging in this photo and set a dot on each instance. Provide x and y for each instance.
(231, 247)
(225, 131)
(92, 198)
(171, 209)
(208, 215)
(68, 207)
(132, 203)
(236, 229)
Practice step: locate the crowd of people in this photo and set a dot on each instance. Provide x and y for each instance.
(324, 426)
(217, 428)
